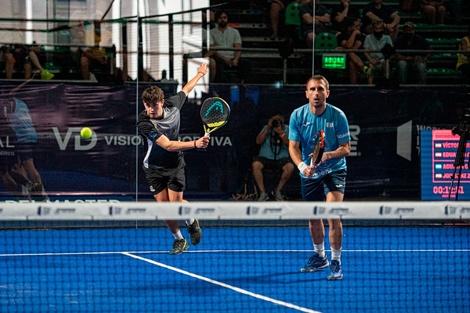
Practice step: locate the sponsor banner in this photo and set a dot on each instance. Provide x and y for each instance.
(384, 128)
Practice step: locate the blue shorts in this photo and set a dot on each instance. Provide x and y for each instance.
(316, 189)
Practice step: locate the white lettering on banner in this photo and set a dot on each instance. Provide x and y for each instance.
(5, 142)
(81, 144)
(219, 141)
(63, 142)
(124, 140)
(354, 131)
(67, 201)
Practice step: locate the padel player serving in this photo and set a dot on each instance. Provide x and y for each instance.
(327, 179)
(164, 164)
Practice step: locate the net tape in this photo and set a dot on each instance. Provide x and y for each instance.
(218, 210)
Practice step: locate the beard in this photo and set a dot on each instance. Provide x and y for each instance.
(222, 24)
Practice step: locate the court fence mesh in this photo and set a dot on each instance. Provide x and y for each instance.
(113, 257)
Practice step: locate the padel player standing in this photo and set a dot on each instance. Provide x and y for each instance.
(163, 163)
(326, 180)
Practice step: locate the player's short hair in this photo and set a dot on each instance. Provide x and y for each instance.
(320, 78)
(152, 95)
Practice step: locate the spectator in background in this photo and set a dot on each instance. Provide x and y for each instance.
(89, 39)
(377, 10)
(435, 11)
(11, 178)
(411, 66)
(321, 20)
(26, 57)
(275, 9)
(463, 58)
(26, 139)
(352, 38)
(342, 12)
(225, 37)
(7, 61)
(274, 154)
(373, 45)
(23, 58)
(89, 57)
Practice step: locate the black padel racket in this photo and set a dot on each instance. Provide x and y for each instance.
(318, 148)
(214, 114)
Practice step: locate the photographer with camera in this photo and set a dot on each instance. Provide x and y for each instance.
(273, 154)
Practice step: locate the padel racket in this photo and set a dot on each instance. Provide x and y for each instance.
(214, 114)
(318, 148)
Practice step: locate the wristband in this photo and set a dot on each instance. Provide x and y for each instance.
(195, 144)
(302, 166)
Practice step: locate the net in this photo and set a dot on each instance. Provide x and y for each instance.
(113, 257)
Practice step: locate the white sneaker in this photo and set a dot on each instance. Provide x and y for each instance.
(263, 197)
(278, 196)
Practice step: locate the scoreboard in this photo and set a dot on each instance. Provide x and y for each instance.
(438, 159)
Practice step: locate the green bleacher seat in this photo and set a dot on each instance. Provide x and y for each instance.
(326, 41)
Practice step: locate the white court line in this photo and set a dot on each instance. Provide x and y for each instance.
(215, 282)
(227, 251)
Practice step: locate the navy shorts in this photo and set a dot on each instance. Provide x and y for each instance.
(316, 189)
(171, 178)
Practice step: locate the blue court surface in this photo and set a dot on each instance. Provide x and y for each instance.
(233, 269)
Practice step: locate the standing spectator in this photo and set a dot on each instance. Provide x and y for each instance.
(377, 10)
(325, 181)
(229, 39)
(352, 38)
(463, 58)
(373, 45)
(343, 12)
(411, 66)
(321, 20)
(435, 11)
(274, 154)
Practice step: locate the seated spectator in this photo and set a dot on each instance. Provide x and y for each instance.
(24, 58)
(277, 8)
(7, 61)
(321, 22)
(435, 11)
(90, 57)
(378, 10)
(342, 13)
(411, 66)
(352, 38)
(229, 39)
(274, 154)
(373, 45)
(463, 58)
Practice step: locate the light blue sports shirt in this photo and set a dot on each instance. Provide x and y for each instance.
(304, 126)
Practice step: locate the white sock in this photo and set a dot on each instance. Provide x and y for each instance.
(320, 249)
(336, 254)
(190, 221)
(178, 235)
